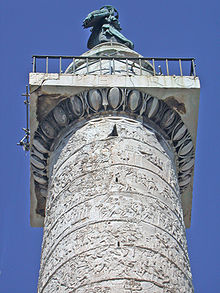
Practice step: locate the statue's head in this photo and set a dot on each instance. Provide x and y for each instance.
(112, 10)
(96, 17)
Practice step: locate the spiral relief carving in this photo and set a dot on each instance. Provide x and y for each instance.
(114, 101)
(113, 211)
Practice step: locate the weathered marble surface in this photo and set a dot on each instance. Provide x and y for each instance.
(114, 219)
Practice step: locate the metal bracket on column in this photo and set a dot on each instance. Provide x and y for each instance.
(25, 141)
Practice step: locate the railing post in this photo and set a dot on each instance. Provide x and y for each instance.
(181, 70)
(74, 66)
(113, 61)
(34, 64)
(193, 69)
(46, 64)
(167, 67)
(160, 69)
(154, 66)
(60, 64)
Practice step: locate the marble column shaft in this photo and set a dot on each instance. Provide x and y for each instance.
(114, 221)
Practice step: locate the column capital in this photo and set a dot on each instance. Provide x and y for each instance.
(53, 114)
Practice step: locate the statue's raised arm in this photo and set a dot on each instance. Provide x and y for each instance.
(105, 27)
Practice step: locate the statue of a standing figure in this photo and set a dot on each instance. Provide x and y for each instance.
(106, 27)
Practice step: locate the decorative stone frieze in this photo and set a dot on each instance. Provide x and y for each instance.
(150, 111)
(114, 220)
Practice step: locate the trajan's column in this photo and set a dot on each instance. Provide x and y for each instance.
(112, 157)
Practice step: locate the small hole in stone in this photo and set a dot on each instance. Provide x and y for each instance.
(118, 244)
(116, 179)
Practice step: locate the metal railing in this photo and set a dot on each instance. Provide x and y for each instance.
(157, 66)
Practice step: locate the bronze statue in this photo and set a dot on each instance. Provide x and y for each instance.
(105, 27)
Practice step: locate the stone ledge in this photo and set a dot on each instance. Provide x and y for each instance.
(130, 81)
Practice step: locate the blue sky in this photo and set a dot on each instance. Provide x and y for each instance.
(157, 28)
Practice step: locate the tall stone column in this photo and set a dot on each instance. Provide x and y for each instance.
(114, 220)
(112, 148)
